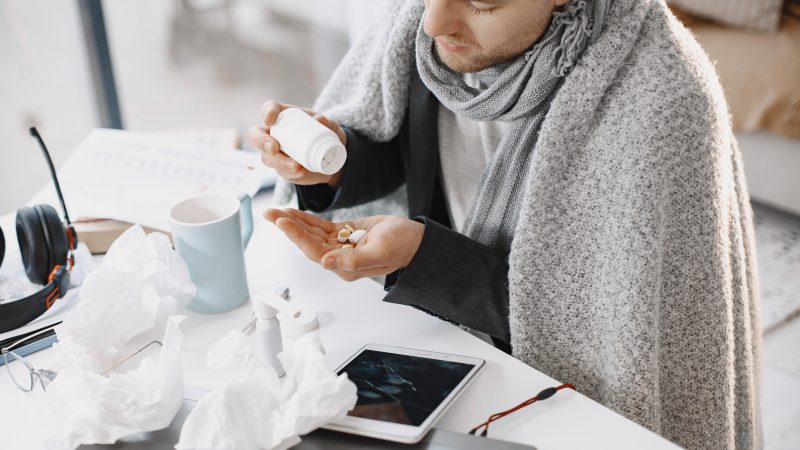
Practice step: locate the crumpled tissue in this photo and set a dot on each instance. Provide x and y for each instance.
(90, 408)
(141, 281)
(128, 297)
(256, 409)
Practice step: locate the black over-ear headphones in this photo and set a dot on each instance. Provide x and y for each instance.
(46, 245)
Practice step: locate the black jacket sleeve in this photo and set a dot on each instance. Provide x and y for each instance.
(372, 170)
(475, 293)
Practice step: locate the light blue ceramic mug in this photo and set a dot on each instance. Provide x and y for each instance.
(210, 232)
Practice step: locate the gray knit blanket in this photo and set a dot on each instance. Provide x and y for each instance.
(631, 264)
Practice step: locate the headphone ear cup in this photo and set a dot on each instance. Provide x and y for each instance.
(33, 245)
(2, 246)
(56, 234)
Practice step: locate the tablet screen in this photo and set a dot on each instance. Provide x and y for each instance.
(399, 388)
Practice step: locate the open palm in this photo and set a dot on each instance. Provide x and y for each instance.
(390, 244)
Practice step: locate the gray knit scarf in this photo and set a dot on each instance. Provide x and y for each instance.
(518, 91)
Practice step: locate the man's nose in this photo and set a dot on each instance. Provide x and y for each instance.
(441, 18)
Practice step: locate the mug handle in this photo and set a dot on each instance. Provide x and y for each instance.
(246, 213)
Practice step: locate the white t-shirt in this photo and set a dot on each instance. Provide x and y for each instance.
(465, 148)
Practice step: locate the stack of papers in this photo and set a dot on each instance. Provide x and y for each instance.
(137, 178)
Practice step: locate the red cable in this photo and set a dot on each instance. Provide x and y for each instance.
(543, 395)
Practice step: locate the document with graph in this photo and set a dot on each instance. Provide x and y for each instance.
(137, 178)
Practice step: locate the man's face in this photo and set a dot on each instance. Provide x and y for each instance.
(473, 35)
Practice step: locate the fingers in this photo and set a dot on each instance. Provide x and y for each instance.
(366, 223)
(353, 276)
(312, 232)
(285, 166)
(333, 126)
(271, 108)
(313, 220)
(316, 238)
(310, 244)
(271, 155)
(256, 136)
(259, 138)
(361, 258)
(274, 214)
(352, 264)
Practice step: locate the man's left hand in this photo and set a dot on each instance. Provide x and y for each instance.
(390, 244)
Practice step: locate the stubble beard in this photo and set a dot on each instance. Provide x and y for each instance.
(475, 59)
(472, 64)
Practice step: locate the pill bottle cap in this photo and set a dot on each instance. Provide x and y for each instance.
(328, 155)
(294, 326)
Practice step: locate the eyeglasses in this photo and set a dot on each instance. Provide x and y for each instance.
(130, 356)
(21, 371)
(25, 376)
(544, 395)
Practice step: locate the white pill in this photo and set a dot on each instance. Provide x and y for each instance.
(343, 235)
(357, 236)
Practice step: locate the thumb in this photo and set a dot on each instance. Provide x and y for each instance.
(363, 257)
(341, 258)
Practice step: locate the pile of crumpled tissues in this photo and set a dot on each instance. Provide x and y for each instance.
(127, 298)
(255, 409)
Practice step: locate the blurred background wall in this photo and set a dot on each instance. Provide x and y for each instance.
(177, 64)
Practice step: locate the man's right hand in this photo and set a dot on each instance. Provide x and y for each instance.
(272, 156)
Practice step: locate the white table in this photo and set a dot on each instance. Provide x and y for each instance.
(351, 315)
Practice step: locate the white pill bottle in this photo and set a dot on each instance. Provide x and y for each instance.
(308, 142)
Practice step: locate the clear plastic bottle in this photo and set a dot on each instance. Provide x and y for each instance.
(308, 142)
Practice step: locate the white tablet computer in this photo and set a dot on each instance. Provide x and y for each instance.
(402, 392)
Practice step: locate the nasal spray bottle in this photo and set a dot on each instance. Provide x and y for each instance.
(308, 142)
(273, 312)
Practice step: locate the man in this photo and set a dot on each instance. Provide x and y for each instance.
(575, 192)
